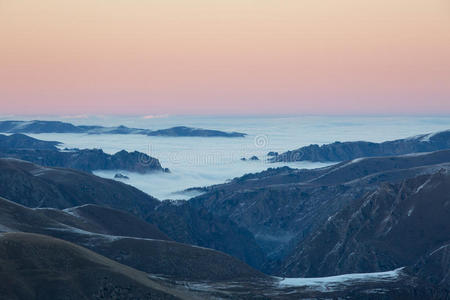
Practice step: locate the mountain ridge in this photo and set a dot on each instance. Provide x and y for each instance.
(38, 126)
(344, 151)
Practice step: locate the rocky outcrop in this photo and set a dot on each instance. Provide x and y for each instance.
(88, 160)
(121, 176)
(434, 267)
(37, 126)
(350, 150)
(46, 153)
(391, 227)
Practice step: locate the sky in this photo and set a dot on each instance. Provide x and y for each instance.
(224, 57)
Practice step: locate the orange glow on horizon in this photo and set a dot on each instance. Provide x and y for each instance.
(200, 57)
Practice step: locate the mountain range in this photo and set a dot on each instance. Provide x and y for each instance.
(373, 227)
(342, 151)
(46, 153)
(39, 126)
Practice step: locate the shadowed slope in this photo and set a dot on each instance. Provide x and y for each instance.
(41, 267)
(167, 258)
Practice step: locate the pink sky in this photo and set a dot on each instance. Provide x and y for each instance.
(225, 56)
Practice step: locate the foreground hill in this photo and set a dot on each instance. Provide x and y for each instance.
(36, 186)
(350, 150)
(41, 267)
(37, 126)
(136, 243)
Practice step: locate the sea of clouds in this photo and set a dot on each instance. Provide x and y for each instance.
(200, 161)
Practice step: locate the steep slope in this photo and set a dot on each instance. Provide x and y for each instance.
(187, 224)
(350, 150)
(39, 267)
(281, 207)
(167, 258)
(104, 220)
(434, 267)
(35, 186)
(391, 227)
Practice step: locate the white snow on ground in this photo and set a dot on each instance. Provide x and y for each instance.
(88, 233)
(334, 283)
(423, 185)
(40, 171)
(356, 160)
(4, 228)
(427, 137)
(72, 210)
(415, 154)
(439, 249)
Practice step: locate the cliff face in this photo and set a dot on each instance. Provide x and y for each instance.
(350, 150)
(395, 225)
(282, 207)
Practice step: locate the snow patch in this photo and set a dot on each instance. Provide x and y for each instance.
(4, 228)
(422, 186)
(356, 160)
(40, 171)
(334, 283)
(426, 138)
(439, 249)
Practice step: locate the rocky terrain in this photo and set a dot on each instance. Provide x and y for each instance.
(395, 225)
(39, 266)
(36, 186)
(45, 153)
(37, 126)
(148, 268)
(350, 150)
(282, 207)
(378, 225)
